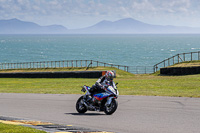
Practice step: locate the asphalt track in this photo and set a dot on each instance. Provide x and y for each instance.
(135, 114)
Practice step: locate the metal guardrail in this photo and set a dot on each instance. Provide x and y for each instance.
(59, 64)
(191, 56)
(74, 63)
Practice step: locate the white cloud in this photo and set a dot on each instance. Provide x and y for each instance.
(80, 13)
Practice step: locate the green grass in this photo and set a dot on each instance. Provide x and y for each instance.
(6, 128)
(187, 64)
(179, 86)
(129, 84)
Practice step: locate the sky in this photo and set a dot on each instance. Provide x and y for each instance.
(75, 14)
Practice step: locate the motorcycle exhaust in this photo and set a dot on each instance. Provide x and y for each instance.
(89, 107)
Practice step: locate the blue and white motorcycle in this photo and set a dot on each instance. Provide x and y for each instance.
(102, 101)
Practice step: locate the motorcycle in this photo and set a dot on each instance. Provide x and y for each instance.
(100, 101)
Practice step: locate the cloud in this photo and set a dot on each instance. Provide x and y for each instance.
(87, 12)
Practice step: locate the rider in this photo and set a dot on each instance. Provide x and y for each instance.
(99, 85)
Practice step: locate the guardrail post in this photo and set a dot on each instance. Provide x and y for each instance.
(178, 57)
(156, 68)
(72, 63)
(198, 55)
(67, 63)
(184, 56)
(168, 62)
(47, 64)
(164, 63)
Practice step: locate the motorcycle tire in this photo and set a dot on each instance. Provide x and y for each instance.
(80, 109)
(112, 108)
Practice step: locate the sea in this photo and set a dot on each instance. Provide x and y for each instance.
(129, 50)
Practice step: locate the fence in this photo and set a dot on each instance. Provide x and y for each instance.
(59, 64)
(191, 56)
(74, 63)
(91, 63)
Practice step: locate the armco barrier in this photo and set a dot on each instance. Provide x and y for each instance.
(66, 74)
(180, 70)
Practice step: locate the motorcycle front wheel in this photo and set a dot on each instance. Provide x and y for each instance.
(80, 107)
(111, 108)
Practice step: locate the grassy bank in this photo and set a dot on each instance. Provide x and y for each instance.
(6, 128)
(187, 64)
(129, 84)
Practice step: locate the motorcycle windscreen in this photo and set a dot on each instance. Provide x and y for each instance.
(101, 96)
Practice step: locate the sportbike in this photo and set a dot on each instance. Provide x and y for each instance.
(105, 100)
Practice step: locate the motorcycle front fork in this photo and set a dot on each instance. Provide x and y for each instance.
(109, 100)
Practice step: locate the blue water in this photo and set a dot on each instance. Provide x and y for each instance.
(131, 50)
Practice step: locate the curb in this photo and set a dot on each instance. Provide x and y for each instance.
(47, 126)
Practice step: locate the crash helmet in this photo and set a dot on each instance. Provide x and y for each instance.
(109, 75)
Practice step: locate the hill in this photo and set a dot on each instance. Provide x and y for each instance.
(15, 26)
(122, 26)
(132, 26)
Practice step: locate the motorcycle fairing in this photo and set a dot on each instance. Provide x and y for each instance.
(87, 87)
(101, 96)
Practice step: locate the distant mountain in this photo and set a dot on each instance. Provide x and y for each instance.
(123, 26)
(132, 26)
(15, 26)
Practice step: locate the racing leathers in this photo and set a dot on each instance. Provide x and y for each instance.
(99, 85)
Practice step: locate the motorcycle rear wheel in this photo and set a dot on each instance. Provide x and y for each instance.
(112, 108)
(80, 107)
